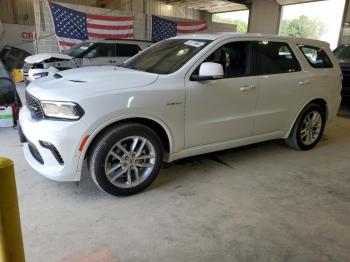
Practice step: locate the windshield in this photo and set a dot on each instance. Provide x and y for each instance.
(78, 50)
(342, 52)
(167, 56)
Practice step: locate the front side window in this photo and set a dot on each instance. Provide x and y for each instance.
(234, 58)
(316, 56)
(167, 56)
(273, 58)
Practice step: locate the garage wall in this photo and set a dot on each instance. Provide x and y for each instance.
(142, 21)
(17, 12)
(220, 27)
(78, 2)
(20, 36)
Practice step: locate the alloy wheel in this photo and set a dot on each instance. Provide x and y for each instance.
(311, 128)
(130, 161)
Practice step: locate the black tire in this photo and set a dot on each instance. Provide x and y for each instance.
(294, 140)
(105, 143)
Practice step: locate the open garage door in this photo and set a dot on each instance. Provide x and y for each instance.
(316, 20)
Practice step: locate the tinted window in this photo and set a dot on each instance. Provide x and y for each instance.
(102, 50)
(167, 56)
(233, 57)
(273, 58)
(316, 57)
(127, 50)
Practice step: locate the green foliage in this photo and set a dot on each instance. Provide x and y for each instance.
(303, 26)
(242, 26)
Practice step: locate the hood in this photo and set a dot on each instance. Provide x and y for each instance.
(92, 74)
(46, 56)
(88, 81)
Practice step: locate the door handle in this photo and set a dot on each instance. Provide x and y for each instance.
(112, 61)
(301, 83)
(247, 88)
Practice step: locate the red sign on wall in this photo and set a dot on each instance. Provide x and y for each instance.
(28, 36)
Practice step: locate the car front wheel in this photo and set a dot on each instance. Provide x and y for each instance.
(126, 159)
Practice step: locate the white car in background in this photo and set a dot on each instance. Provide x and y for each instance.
(89, 53)
(184, 96)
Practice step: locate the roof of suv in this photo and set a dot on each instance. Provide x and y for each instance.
(229, 35)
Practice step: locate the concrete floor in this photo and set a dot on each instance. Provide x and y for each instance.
(257, 203)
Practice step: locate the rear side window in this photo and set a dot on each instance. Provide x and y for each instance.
(273, 58)
(127, 50)
(316, 56)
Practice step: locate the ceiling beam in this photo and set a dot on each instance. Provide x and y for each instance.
(217, 6)
(212, 6)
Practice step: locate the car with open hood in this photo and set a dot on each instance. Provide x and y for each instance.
(184, 96)
(88, 53)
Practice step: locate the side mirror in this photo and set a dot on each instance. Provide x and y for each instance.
(209, 71)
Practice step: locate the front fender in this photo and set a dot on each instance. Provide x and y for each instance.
(93, 132)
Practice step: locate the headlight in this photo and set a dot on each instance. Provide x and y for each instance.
(62, 110)
(39, 75)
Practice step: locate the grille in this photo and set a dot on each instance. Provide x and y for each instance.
(34, 151)
(34, 107)
(26, 68)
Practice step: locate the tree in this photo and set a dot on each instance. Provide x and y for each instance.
(242, 26)
(303, 26)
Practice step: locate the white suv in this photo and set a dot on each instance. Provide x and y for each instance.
(184, 96)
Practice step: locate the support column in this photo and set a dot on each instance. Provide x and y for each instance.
(344, 34)
(264, 17)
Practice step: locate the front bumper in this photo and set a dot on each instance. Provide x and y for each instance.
(66, 136)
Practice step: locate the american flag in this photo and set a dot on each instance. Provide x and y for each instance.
(164, 28)
(73, 27)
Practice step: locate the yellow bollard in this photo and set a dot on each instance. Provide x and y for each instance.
(11, 243)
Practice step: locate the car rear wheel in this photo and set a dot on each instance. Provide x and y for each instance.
(308, 129)
(126, 159)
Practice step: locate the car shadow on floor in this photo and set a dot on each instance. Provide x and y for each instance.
(344, 110)
(219, 159)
